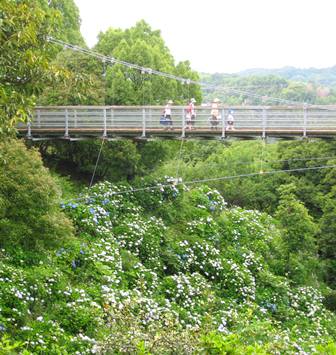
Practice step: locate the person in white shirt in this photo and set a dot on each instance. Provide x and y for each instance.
(167, 114)
(230, 121)
(215, 116)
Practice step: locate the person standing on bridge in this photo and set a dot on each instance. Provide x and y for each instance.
(167, 114)
(230, 121)
(215, 117)
(191, 114)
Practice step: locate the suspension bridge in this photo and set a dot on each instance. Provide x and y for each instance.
(143, 122)
(289, 121)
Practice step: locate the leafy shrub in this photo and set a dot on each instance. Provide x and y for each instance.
(133, 281)
(330, 300)
(30, 216)
(128, 334)
(8, 347)
(232, 344)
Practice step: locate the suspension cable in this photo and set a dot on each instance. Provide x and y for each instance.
(109, 59)
(282, 160)
(197, 181)
(179, 160)
(263, 148)
(94, 171)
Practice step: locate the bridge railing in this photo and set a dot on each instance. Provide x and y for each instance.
(146, 119)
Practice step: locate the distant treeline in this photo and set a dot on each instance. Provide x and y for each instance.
(259, 86)
(324, 76)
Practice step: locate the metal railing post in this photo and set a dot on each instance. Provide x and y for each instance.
(264, 123)
(112, 117)
(38, 118)
(105, 124)
(150, 117)
(29, 136)
(223, 124)
(143, 123)
(75, 118)
(66, 133)
(305, 121)
(183, 123)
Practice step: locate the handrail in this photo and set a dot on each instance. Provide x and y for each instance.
(203, 106)
(144, 121)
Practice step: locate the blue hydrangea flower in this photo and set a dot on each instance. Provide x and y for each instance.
(60, 252)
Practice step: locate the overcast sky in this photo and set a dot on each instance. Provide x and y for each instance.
(227, 35)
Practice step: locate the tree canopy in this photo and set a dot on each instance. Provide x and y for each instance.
(143, 46)
(25, 59)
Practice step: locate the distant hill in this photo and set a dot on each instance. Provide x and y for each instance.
(261, 86)
(324, 76)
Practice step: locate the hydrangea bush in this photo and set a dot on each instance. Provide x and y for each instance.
(161, 269)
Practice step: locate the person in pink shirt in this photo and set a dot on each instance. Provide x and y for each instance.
(191, 114)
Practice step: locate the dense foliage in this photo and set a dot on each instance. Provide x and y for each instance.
(93, 81)
(143, 46)
(323, 76)
(162, 269)
(29, 216)
(315, 188)
(236, 89)
(25, 58)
